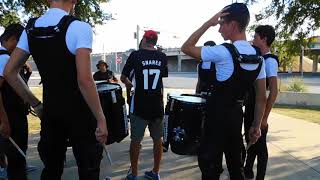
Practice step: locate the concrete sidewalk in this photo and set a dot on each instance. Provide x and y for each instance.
(294, 154)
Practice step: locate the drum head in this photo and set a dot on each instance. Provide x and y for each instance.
(191, 99)
(173, 95)
(101, 82)
(107, 87)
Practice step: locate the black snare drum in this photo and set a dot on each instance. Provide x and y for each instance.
(166, 124)
(183, 123)
(114, 108)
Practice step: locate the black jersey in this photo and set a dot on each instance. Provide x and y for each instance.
(99, 76)
(148, 68)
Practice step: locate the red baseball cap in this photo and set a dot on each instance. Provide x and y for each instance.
(150, 34)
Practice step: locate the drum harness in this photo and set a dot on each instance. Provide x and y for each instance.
(241, 58)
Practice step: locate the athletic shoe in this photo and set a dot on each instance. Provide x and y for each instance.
(31, 168)
(3, 174)
(151, 175)
(131, 177)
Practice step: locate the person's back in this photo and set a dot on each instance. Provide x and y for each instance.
(57, 67)
(61, 47)
(227, 66)
(58, 73)
(149, 68)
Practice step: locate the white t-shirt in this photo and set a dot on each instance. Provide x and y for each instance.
(206, 65)
(4, 58)
(79, 34)
(222, 59)
(271, 67)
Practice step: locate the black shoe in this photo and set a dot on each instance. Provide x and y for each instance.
(249, 174)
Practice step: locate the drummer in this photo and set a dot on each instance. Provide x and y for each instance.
(149, 66)
(104, 73)
(232, 79)
(72, 90)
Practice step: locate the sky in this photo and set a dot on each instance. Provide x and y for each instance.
(175, 19)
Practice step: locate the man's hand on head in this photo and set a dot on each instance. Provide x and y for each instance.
(217, 18)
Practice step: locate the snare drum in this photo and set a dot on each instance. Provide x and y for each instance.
(114, 108)
(166, 122)
(184, 123)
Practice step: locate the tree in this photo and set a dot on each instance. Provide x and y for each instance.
(285, 54)
(86, 10)
(296, 19)
(294, 16)
(287, 49)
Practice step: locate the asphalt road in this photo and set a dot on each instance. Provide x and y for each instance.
(189, 80)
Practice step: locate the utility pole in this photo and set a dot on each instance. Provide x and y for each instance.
(103, 53)
(301, 61)
(137, 34)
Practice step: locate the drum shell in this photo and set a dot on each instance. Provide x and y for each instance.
(114, 109)
(189, 118)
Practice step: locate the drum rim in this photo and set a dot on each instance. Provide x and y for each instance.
(180, 100)
(118, 86)
(106, 82)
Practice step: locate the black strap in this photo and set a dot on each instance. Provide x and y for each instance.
(266, 56)
(233, 50)
(243, 58)
(49, 31)
(31, 23)
(3, 52)
(65, 22)
(258, 51)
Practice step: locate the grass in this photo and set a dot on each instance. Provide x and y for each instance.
(34, 122)
(311, 114)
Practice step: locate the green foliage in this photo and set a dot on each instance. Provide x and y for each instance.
(295, 20)
(296, 85)
(285, 57)
(8, 16)
(86, 10)
(287, 49)
(295, 17)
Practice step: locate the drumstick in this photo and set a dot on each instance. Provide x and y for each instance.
(107, 154)
(247, 148)
(17, 147)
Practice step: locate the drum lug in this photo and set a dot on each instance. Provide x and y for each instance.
(114, 97)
